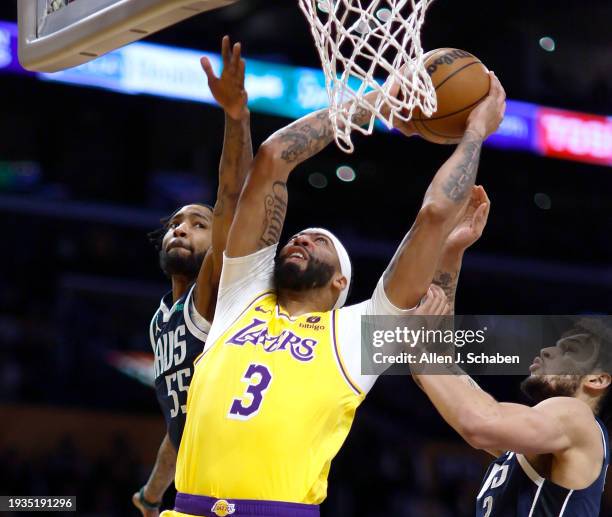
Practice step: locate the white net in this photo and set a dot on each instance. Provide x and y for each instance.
(56, 5)
(360, 39)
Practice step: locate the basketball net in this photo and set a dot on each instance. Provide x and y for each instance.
(359, 38)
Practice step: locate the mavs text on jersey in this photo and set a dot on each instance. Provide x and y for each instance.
(178, 335)
(512, 488)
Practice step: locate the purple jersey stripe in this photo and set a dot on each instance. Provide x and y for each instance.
(203, 506)
(339, 357)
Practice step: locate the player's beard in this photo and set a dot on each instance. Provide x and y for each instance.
(539, 387)
(288, 275)
(174, 265)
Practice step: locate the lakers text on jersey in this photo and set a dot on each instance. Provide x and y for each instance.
(269, 407)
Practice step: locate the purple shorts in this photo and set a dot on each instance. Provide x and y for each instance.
(211, 507)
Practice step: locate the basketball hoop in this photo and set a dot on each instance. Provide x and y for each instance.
(357, 39)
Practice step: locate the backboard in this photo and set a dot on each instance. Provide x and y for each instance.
(59, 34)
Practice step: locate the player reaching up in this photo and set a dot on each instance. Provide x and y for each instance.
(191, 243)
(276, 389)
(551, 458)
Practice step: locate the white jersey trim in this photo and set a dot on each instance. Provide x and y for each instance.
(196, 323)
(530, 471)
(565, 503)
(167, 312)
(603, 440)
(151, 333)
(535, 499)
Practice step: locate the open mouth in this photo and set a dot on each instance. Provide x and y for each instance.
(296, 254)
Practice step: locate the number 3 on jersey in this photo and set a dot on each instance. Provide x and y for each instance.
(258, 377)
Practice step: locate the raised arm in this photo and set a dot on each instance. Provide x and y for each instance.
(263, 203)
(550, 427)
(413, 267)
(236, 157)
(465, 233)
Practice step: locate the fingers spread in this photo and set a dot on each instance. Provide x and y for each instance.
(208, 70)
(225, 50)
(241, 69)
(235, 60)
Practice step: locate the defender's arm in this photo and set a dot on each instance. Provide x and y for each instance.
(228, 90)
(482, 421)
(160, 479)
(490, 425)
(467, 231)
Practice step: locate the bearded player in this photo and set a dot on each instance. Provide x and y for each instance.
(275, 391)
(552, 458)
(191, 244)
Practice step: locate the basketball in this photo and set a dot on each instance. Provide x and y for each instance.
(461, 82)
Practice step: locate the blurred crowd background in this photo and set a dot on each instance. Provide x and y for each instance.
(79, 280)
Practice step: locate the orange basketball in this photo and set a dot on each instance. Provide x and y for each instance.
(461, 82)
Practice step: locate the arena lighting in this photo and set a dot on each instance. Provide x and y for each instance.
(317, 180)
(542, 201)
(547, 43)
(289, 91)
(346, 173)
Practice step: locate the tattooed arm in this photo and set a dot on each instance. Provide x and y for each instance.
(465, 233)
(263, 202)
(448, 197)
(228, 90)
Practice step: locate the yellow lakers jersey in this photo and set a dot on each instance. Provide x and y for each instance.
(269, 406)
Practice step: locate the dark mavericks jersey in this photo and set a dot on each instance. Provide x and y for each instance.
(512, 487)
(176, 342)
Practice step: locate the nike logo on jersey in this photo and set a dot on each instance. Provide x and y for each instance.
(170, 350)
(256, 333)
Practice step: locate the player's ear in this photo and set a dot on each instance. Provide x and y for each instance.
(339, 282)
(597, 382)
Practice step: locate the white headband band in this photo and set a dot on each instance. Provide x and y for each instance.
(343, 258)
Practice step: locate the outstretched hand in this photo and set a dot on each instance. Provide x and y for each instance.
(228, 90)
(470, 226)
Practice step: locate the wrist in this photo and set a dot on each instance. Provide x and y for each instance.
(239, 117)
(452, 255)
(477, 130)
(149, 499)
